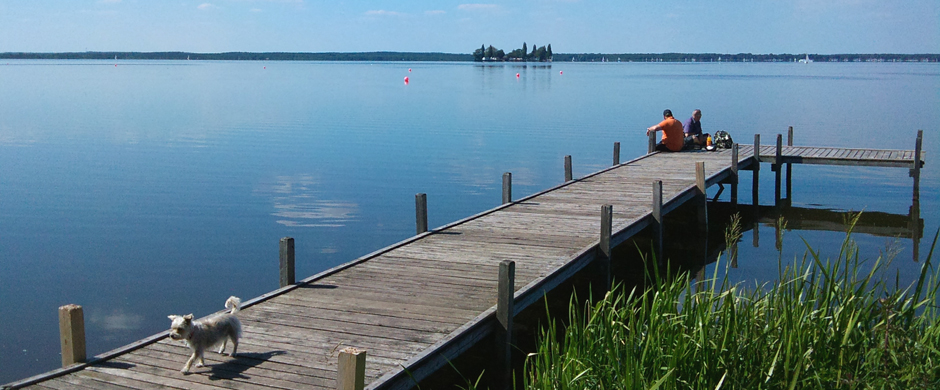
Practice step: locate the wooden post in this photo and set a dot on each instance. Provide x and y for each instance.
(789, 166)
(505, 310)
(351, 372)
(607, 222)
(421, 213)
(658, 219)
(734, 174)
(72, 334)
(616, 153)
(287, 261)
(755, 187)
(568, 176)
(915, 169)
(915, 229)
(652, 145)
(702, 197)
(778, 169)
(507, 187)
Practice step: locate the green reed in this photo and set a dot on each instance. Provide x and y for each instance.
(828, 324)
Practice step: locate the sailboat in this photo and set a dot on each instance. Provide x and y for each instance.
(805, 60)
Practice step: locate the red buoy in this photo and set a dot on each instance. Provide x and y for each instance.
(560, 72)
(406, 79)
(517, 75)
(409, 69)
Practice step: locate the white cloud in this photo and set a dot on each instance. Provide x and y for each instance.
(205, 6)
(478, 7)
(382, 12)
(435, 12)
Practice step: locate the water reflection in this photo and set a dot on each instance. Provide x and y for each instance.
(296, 201)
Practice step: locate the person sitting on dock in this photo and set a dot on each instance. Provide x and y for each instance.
(672, 133)
(693, 131)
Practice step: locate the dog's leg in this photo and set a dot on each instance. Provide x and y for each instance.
(202, 361)
(222, 348)
(189, 363)
(234, 345)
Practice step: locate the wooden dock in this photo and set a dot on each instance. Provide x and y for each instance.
(416, 304)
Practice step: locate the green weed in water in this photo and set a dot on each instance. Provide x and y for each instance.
(825, 325)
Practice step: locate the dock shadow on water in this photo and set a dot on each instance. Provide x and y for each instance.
(687, 248)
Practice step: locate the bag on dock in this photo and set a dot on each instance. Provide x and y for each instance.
(722, 140)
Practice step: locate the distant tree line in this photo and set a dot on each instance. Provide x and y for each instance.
(488, 54)
(746, 57)
(244, 56)
(543, 53)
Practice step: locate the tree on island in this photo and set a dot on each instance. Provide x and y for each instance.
(492, 54)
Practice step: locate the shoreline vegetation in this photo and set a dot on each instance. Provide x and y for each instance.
(538, 54)
(841, 323)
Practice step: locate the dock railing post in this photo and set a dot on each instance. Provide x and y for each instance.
(734, 174)
(778, 168)
(616, 153)
(505, 311)
(568, 175)
(421, 213)
(287, 261)
(507, 187)
(72, 334)
(755, 187)
(658, 220)
(915, 169)
(607, 222)
(351, 371)
(702, 197)
(789, 166)
(652, 143)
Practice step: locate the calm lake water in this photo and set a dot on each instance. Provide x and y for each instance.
(141, 189)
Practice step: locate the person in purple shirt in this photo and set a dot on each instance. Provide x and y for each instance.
(693, 130)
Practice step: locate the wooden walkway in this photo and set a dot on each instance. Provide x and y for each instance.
(424, 300)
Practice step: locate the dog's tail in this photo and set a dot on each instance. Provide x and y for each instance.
(233, 303)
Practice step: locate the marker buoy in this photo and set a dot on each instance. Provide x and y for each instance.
(265, 67)
(406, 79)
(517, 75)
(409, 70)
(560, 72)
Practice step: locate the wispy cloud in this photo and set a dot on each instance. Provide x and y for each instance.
(435, 12)
(478, 7)
(205, 6)
(382, 12)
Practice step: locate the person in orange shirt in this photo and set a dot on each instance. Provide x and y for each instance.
(672, 133)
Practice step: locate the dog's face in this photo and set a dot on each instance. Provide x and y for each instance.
(181, 327)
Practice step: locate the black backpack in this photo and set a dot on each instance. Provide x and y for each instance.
(722, 140)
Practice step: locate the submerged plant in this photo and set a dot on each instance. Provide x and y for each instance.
(825, 324)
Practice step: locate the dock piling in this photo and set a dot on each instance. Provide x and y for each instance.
(72, 334)
(915, 169)
(658, 219)
(734, 174)
(755, 187)
(351, 371)
(421, 213)
(789, 165)
(616, 153)
(505, 310)
(607, 222)
(652, 142)
(507, 187)
(287, 261)
(778, 169)
(568, 175)
(702, 197)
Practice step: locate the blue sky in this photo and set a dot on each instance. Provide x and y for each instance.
(571, 26)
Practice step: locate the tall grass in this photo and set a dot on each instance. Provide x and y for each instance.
(825, 325)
